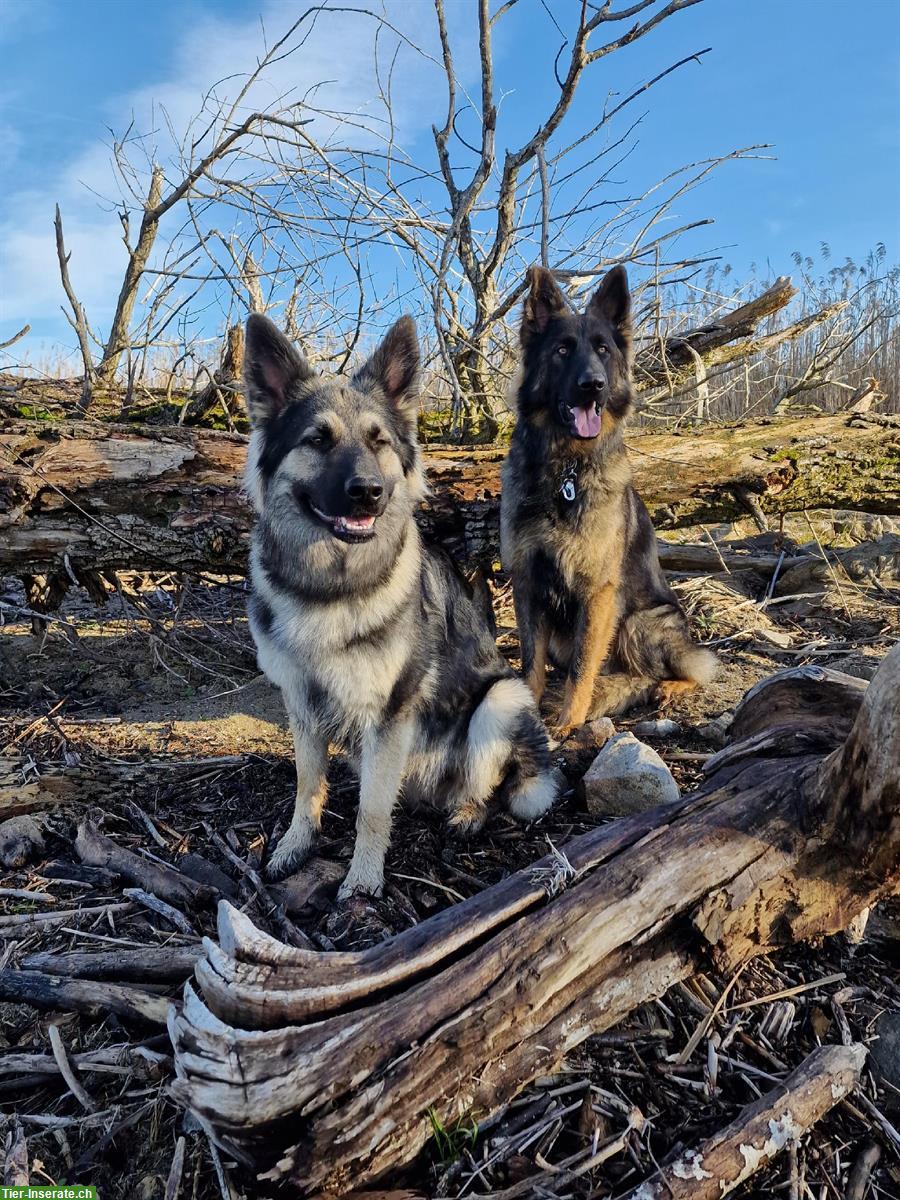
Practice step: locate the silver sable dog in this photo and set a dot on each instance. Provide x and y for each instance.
(376, 641)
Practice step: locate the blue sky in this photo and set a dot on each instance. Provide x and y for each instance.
(818, 80)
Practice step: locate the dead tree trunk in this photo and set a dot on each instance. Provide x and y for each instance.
(116, 496)
(138, 257)
(320, 1070)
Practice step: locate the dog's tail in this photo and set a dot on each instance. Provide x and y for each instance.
(507, 741)
(657, 643)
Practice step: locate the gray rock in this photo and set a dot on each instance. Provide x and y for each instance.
(626, 777)
(656, 729)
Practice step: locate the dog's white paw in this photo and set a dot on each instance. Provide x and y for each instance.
(361, 881)
(534, 797)
(292, 851)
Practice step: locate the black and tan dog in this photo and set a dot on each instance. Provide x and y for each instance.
(376, 641)
(588, 588)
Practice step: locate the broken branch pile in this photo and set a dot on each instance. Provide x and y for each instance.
(324, 1071)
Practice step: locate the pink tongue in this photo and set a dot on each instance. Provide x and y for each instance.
(587, 422)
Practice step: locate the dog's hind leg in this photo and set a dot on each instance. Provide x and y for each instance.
(657, 642)
(311, 757)
(385, 752)
(616, 693)
(505, 739)
(534, 638)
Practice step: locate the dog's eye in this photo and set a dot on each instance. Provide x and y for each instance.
(602, 348)
(317, 440)
(562, 351)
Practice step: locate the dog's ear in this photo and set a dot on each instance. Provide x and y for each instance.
(272, 365)
(394, 368)
(542, 302)
(612, 302)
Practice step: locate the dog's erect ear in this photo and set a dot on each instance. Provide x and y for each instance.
(272, 365)
(612, 301)
(542, 302)
(394, 367)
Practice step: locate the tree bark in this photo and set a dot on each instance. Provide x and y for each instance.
(321, 1070)
(117, 496)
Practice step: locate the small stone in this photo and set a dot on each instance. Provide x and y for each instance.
(626, 777)
(21, 841)
(716, 731)
(593, 734)
(656, 729)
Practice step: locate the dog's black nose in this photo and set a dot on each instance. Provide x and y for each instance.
(364, 489)
(592, 383)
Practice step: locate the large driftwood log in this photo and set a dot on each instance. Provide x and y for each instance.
(80, 496)
(320, 1070)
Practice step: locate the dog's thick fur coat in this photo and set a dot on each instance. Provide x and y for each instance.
(577, 539)
(375, 641)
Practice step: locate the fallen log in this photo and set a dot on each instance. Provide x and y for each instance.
(97, 850)
(150, 964)
(324, 1071)
(760, 1131)
(86, 996)
(79, 497)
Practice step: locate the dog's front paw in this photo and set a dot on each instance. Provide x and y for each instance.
(360, 882)
(560, 732)
(467, 819)
(292, 851)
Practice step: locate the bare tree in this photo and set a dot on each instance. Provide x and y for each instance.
(76, 318)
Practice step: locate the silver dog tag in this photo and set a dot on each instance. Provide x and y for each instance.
(568, 489)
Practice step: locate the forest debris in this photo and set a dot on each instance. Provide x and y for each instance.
(65, 1069)
(15, 1147)
(761, 1131)
(21, 841)
(868, 562)
(81, 995)
(885, 1052)
(203, 871)
(316, 879)
(176, 919)
(863, 1165)
(173, 1180)
(150, 964)
(627, 776)
(98, 850)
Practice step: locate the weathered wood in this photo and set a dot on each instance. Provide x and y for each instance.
(81, 995)
(110, 496)
(97, 850)
(760, 1131)
(320, 1070)
(150, 964)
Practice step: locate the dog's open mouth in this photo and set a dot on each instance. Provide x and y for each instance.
(586, 420)
(349, 529)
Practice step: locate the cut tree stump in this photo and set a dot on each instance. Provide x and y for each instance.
(325, 1071)
(79, 497)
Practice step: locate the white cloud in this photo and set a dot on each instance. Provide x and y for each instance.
(336, 53)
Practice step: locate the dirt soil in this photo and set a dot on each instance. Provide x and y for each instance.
(157, 695)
